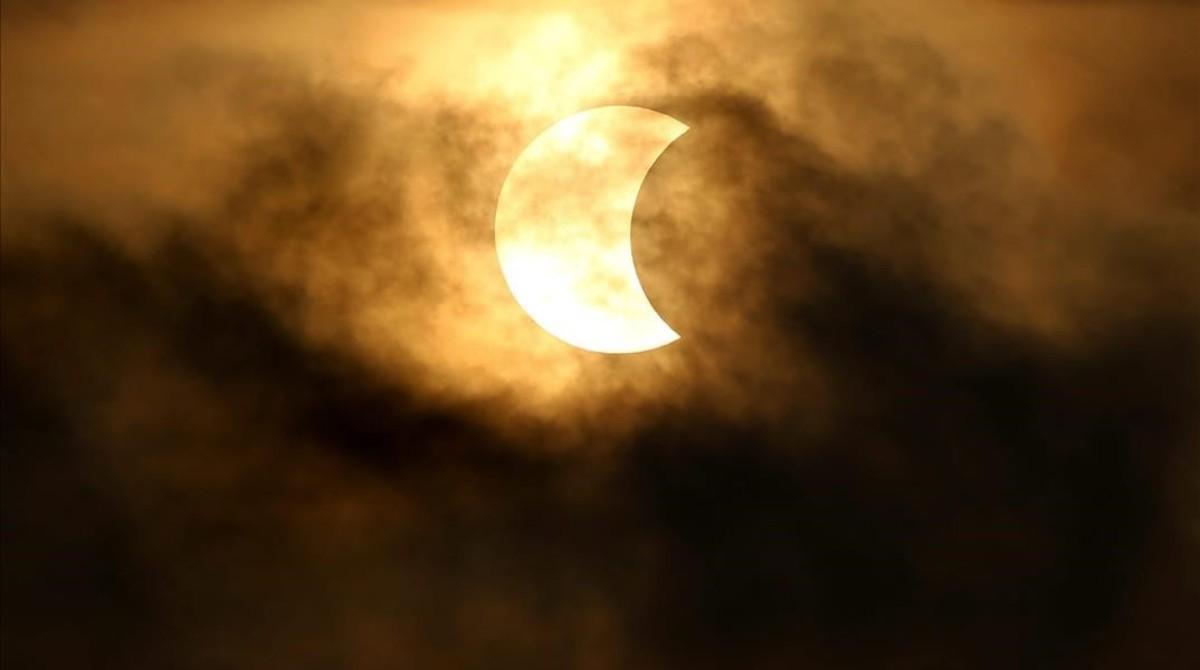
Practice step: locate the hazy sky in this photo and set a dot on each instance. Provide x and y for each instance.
(267, 400)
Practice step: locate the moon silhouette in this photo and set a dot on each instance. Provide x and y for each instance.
(563, 226)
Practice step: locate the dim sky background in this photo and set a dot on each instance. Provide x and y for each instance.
(267, 401)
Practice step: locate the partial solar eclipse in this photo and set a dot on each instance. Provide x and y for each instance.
(563, 225)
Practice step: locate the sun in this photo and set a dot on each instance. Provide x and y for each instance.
(563, 228)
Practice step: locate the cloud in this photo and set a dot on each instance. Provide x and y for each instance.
(267, 401)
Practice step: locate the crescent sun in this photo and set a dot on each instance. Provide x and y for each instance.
(563, 225)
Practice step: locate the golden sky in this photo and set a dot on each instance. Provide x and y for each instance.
(251, 287)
